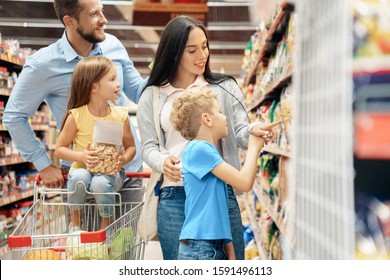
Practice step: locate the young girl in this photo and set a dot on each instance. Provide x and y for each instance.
(206, 233)
(94, 85)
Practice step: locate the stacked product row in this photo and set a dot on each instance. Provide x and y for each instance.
(267, 85)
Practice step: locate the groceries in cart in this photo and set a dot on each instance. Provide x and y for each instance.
(122, 241)
(42, 254)
(75, 250)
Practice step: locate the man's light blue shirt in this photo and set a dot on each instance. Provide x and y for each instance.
(46, 76)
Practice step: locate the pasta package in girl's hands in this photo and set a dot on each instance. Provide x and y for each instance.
(107, 139)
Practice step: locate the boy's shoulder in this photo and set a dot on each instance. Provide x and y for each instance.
(196, 147)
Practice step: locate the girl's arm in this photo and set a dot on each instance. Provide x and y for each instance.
(65, 139)
(128, 145)
(243, 179)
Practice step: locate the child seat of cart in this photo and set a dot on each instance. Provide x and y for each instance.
(128, 197)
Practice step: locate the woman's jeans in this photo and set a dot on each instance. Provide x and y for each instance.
(201, 250)
(170, 219)
(81, 180)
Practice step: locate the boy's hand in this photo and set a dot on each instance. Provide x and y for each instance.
(256, 142)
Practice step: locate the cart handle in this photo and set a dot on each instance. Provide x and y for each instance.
(38, 178)
(138, 174)
(128, 175)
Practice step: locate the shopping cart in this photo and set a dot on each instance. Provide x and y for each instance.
(43, 232)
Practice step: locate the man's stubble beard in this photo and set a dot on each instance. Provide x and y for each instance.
(90, 37)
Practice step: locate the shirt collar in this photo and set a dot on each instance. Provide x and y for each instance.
(199, 81)
(70, 53)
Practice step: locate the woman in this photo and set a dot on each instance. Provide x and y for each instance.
(181, 62)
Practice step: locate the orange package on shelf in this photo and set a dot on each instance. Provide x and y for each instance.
(372, 136)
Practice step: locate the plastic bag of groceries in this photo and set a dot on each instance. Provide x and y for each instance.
(106, 141)
(76, 250)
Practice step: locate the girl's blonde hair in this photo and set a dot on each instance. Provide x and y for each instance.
(187, 110)
(89, 70)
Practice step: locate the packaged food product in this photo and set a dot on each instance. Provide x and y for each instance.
(42, 254)
(107, 140)
(107, 154)
(123, 241)
(85, 251)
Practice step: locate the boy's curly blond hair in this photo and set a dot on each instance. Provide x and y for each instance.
(187, 110)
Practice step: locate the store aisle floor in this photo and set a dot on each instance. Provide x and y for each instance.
(153, 251)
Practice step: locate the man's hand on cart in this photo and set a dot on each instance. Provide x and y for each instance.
(52, 176)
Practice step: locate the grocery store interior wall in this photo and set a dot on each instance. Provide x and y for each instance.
(230, 25)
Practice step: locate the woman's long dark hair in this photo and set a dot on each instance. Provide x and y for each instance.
(170, 51)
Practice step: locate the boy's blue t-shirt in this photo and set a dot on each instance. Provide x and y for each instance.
(206, 205)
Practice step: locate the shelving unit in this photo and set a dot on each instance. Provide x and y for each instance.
(371, 77)
(338, 190)
(271, 91)
(15, 188)
(255, 227)
(16, 196)
(273, 35)
(273, 232)
(371, 116)
(15, 159)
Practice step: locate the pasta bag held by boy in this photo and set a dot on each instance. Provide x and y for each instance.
(106, 141)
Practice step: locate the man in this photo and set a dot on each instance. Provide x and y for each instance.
(47, 73)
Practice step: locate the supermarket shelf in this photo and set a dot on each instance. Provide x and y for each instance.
(277, 217)
(274, 149)
(11, 160)
(9, 64)
(372, 137)
(285, 7)
(16, 196)
(255, 229)
(371, 65)
(281, 82)
(5, 92)
(266, 203)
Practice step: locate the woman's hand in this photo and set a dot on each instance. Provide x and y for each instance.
(266, 131)
(171, 170)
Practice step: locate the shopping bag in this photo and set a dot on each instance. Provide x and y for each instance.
(147, 223)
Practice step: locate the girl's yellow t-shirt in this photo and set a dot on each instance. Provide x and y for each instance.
(85, 122)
